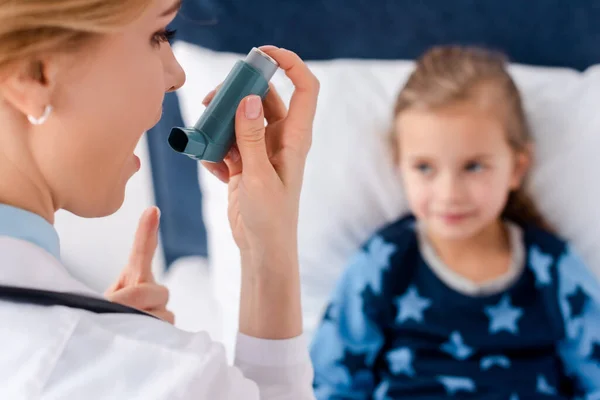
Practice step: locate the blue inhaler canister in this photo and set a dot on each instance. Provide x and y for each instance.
(214, 133)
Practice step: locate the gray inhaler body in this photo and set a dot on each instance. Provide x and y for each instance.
(214, 133)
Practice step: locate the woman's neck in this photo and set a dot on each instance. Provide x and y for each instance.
(479, 258)
(21, 183)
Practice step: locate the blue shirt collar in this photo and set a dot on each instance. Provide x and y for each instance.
(25, 225)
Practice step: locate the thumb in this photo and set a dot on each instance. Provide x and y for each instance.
(250, 134)
(139, 268)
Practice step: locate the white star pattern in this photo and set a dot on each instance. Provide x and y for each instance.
(491, 361)
(456, 347)
(372, 262)
(437, 338)
(400, 362)
(380, 252)
(412, 306)
(454, 384)
(541, 263)
(544, 387)
(381, 391)
(503, 316)
(573, 274)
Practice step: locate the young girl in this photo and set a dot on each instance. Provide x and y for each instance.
(470, 296)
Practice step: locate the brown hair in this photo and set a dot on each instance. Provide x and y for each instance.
(450, 74)
(29, 28)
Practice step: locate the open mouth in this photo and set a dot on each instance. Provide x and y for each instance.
(138, 162)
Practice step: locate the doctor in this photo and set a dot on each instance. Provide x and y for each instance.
(81, 80)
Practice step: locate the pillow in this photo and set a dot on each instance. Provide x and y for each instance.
(351, 187)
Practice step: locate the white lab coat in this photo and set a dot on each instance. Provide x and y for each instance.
(61, 353)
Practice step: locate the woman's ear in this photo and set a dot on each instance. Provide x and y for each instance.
(28, 86)
(523, 162)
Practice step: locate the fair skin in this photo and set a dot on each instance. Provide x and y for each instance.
(458, 170)
(268, 170)
(104, 97)
(136, 286)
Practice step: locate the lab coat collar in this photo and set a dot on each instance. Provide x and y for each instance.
(21, 224)
(28, 265)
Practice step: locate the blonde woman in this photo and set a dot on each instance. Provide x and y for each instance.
(81, 80)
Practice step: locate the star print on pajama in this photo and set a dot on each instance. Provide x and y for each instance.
(494, 361)
(540, 264)
(411, 306)
(400, 361)
(504, 317)
(394, 330)
(543, 387)
(456, 347)
(375, 258)
(454, 385)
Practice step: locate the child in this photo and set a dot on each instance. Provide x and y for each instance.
(470, 296)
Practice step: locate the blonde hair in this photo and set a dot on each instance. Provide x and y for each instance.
(29, 28)
(450, 74)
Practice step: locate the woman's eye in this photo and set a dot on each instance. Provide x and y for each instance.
(165, 35)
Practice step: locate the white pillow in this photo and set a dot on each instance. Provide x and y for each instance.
(351, 187)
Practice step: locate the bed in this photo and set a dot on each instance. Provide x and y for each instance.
(555, 42)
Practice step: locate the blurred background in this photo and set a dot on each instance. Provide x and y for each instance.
(362, 51)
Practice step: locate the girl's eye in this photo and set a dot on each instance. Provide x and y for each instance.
(165, 35)
(474, 167)
(423, 168)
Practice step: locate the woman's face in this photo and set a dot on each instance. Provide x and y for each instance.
(107, 97)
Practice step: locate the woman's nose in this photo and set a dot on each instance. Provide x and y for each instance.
(175, 76)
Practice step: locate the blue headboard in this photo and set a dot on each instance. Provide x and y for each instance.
(563, 33)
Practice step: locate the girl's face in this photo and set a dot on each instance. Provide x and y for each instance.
(457, 168)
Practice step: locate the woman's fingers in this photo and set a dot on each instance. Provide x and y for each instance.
(303, 104)
(220, 170)
(211, 95)
(163, 314)
(145, 296)
(233, 160)
(250, 137)
(275, 108)
(250, 130)
(230, 166)
(139, 268)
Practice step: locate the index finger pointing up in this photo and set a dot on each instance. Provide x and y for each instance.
(139, 268)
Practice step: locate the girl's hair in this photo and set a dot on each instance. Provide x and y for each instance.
(29, 28)
(450, 74)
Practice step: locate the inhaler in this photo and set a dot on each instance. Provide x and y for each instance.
(214, 133)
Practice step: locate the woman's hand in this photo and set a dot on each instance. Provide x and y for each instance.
(136, 286)
(265, 182)
(264, 172)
